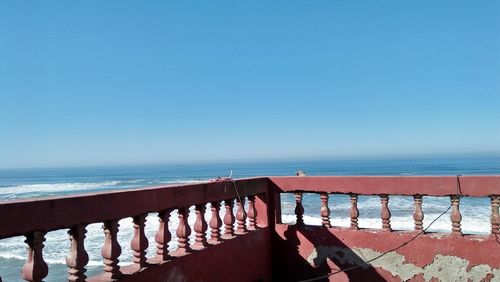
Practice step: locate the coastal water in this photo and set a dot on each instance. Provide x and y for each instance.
(30, 183)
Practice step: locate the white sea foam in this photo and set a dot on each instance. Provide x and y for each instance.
(33, 190)
(11, 192)
(184, 181)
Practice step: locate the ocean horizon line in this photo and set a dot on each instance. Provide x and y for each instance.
(310, 159)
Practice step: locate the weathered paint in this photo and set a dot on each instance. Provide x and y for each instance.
(317, 251)
(443, 268)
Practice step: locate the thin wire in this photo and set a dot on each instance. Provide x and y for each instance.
(229, 178)
(234, 184)
(459, 194)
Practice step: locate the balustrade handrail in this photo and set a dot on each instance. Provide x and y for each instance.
(19, 217)
(473, 186)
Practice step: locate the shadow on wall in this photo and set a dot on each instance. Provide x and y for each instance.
(290, 265)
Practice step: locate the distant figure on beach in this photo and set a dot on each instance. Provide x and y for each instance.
(300, 173)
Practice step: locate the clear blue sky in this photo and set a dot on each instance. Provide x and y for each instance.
(122, 82)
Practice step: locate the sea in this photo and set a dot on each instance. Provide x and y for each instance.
(32, 183)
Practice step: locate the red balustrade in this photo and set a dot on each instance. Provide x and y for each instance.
(215, 224)
(299, 209)
(139, 243)
(251, 234)
(241, 217)
(200, 228)
(77, 258)
(354, 212)
(229, 219)
(162, 237)
(495, 216)
(252, 214)
(35, 268)
(418, 214)
(385, 213)
(183, 232)
(111, 250)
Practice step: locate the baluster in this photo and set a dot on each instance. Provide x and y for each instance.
(252, 213)
(241, 217)
(139, 243)
(495, 216)
(162, 236)
(385, 213)
(354, 213)
(77, 258)
(228, 220)
(418, 214)
(200, 228)
(35, 268)
(325, 210)
(111, 250)
(183, 232)
(215, 224)
(455, 216)
(299, 209)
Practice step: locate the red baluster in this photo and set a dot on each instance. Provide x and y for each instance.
(162, 236)
(455, 216)
(215, 224)
(252, 213)
(325, 210)
(418, 214)
(228, 220)
(385, 213)
(111, 251)
(77, 258)
(353, 212)
(183, 232)
(139, 243)
(200, 228)
(495, 216)
(299, 209)
(35, 268)
(241, 217)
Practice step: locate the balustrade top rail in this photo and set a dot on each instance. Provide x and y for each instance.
(18, 217)
(474, 186)
(51, 213)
